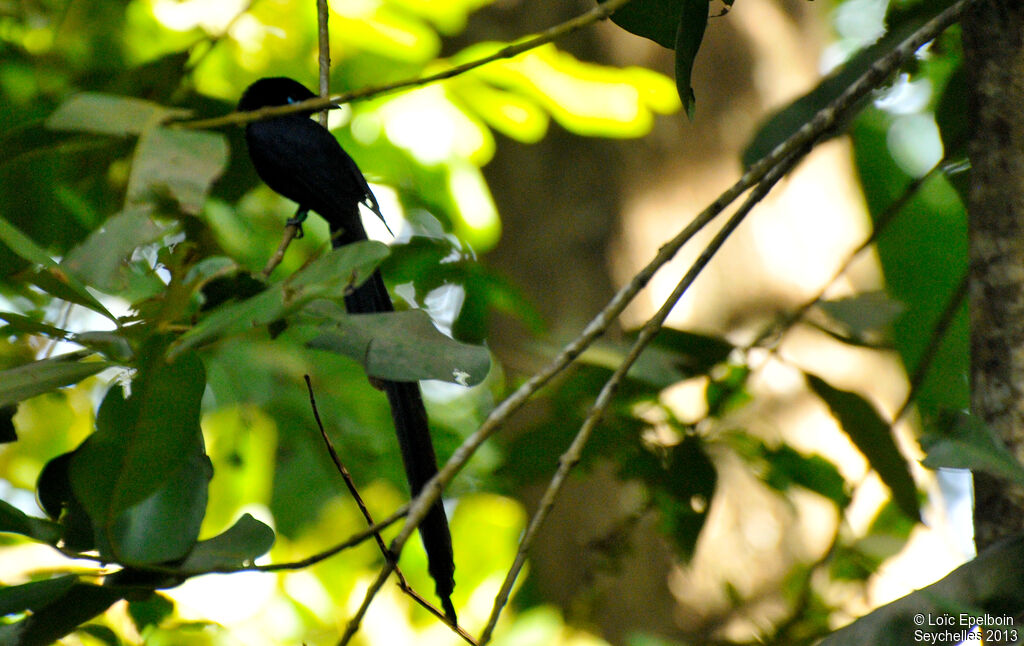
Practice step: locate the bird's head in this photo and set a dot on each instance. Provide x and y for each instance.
(278, 90)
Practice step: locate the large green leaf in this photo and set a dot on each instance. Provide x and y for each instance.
(654, 19)
(150, 612)
(16, 521)
(179, 164)
(51, 278)
(865, 318)
(43, 376)
(100, 259)
(327, 277)
(62, 615)
(923, 252)
(163, 527)
(783, 467)
(675, 24)
(240, 545)
(19, 324)
(108, 114)
(142, 442)
(400, 346)
(685, 491)
(33, 595)
(671, 357)
(872, 436)
(692, 22)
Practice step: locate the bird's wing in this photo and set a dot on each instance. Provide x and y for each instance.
(301, 160)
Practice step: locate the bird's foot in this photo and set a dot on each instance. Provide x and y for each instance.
(297, 220)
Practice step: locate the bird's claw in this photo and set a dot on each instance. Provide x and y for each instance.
(297, 220)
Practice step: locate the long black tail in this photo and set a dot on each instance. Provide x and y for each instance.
(410, 418)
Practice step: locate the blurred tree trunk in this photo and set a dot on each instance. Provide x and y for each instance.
(566, 205)
(993, 37)
(560, 204)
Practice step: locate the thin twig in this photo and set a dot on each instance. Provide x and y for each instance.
(354, 540)
(825, 120)
(402, 583)
(214, 39)
(346, 476)
(324, 58)
(600, 12)
(353, 624)
(291, 231)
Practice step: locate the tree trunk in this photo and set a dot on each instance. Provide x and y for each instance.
(993, 39)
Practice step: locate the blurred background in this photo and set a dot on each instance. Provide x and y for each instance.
(522, 195)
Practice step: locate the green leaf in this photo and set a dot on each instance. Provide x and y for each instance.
(45, 375)
(240, 545)
(400, 346)
(61, 616)
(327, 277)
(864, 314)
(108, 114)
(654, 19)
(142, 442)
(101, 258)
(33, 595)
(872, 436)
(20, 324)
(52, 278)
(782, 467)
(924, 256)
(674, 24)
(693, 20)
(950, 117)
(150, 611)
(962, 441)
(102, 634)
(164, 526)
(513, 115)
(15, 521)
(109, 344)
(727, 390)
(179, 164)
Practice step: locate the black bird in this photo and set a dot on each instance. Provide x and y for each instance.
(301, 160)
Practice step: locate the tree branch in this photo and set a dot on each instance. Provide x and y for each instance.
(824, 121)
(572, 456)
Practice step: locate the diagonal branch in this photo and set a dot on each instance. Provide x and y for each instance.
(824, 121)
(572, 456)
